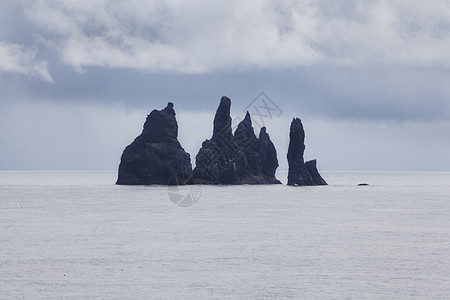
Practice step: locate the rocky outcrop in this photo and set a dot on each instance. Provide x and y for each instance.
(268, 157)
(311, 166)
(300, 173)
(260, 153)
(241, 158)
(156, 156)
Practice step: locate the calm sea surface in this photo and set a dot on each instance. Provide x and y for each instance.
(72, 235)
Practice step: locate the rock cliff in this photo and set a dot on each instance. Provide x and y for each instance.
(156, 156)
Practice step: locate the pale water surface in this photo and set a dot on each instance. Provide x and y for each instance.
(73, 235)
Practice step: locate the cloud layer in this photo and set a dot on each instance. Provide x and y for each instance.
(200, 37)
(15, 58)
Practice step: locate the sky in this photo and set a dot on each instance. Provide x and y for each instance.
(369, 79)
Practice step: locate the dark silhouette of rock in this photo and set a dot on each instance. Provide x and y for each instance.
(156, 156)
(260, 153)
(268, 157)
(219, 160)
(222, 133)
(300, 173)
(241, 158)
(247, 141)
(311, 166)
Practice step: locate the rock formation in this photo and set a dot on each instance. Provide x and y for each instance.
(311, 166)
(300, 173)
(268, 157)
(156, 156)
(260, 153)
(241, 158)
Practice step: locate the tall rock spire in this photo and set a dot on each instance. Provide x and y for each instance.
(222, 122)
(268, 157)
(299, 172)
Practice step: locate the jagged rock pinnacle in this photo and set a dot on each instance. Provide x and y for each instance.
(299, 172)
(222, 122)
(238, 159)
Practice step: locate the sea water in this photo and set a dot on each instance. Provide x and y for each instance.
(73, 235)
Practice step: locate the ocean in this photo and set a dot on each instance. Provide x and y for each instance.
(76, 235)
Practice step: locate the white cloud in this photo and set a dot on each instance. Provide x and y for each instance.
(199, 36)
(132, 52)
(16, 58)
(394, 32)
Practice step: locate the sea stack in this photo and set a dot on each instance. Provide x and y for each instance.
(156, 156)
(300, 173)
(260, 153)
(241, 158)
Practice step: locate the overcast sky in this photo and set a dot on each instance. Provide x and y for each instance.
(370, 79)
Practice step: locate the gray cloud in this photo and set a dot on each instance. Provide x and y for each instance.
(376, 93)
(16, 58)
(194, 37)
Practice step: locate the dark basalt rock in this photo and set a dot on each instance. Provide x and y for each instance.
(311, 166)
(247, 141)
(268, 157)
(222, 133)
(260, 153)
(219, 160)
(238, 159)
(300, 173)
(156, 156)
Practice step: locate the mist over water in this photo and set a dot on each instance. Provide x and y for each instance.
(83, 137)
(77, 235)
